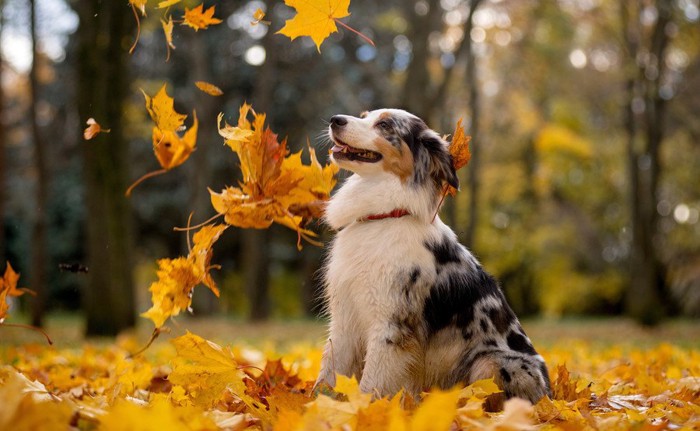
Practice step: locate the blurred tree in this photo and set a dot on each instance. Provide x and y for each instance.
(475, 110)
(3, 185)
(256, 242)
(39, 261)
(103, 72)
(644, 112)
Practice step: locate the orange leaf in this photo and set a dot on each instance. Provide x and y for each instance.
(161, 107)
(171, 150)
(459, 150)
(200, 19)
(314, 18)
(459, 147)
(8, 287)
(258, 16)
(93, 129)
(276, 188)
(208, 88)
(4, 306)
(9, 283)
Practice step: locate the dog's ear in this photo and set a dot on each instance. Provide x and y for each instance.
(441, 167)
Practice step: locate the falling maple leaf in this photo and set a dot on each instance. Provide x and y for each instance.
(258, 16)
(93, 129)
(161, 108)
(208, 88)
(8, 288)
(459, 147)
(171, 150)
(168, 32)
(167, 3)
(459, 150)
(276, 187)
(200, 19)
(317, 19)
(178, 277)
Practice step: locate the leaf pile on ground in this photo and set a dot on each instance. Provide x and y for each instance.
(194, 384)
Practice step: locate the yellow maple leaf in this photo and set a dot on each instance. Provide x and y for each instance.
(161, 108)
(200, 19)
(93, 129)
(201, 252)
(208, 88)
(315, 18)
(437, 411)
(167, 3)
(168, 32)
(517, 416)
(205, 369)
(171, 150)
(276, 187)
(177, 278)
(172, 292)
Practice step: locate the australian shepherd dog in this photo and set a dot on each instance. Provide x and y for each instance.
(410, 307)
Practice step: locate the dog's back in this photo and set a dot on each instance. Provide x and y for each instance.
(410, 307)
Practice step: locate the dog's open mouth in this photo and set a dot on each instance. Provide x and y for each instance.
(343, 151)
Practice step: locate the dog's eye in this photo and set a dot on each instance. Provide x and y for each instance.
(384, 125)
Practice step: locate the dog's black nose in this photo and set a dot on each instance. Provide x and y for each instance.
(338, 120)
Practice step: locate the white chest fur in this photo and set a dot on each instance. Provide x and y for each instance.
(369, 262)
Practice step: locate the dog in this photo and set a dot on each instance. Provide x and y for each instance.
(410, 307)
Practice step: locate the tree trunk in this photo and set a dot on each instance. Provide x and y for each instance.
(475, 162)
(104, 35)
(204, 303)
(39, 262)
(646, 292)
(3, 243)
(256, 242)
(417, 89)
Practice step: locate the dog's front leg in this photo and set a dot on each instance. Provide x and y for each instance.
(391, 362)
(341, 355)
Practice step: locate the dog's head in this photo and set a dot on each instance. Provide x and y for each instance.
(393, 141)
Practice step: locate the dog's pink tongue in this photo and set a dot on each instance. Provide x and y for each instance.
(338, 148)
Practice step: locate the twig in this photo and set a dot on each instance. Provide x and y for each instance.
(144, 178)
(33, 328)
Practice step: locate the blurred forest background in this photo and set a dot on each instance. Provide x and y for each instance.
(582, 197)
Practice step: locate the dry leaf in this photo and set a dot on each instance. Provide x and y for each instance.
(200, 19)
(93, 129)
(208, 88)
(161, 107)
(171, 150)
(459, 150)
(167, 3)
(168, 32)
(177, 278)
(276, 187)
(258, 16)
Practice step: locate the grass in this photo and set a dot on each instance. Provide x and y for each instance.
(66, 330)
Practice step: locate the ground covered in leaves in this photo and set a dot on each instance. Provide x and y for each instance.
(190, 383)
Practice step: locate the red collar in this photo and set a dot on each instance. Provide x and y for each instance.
(395, 213)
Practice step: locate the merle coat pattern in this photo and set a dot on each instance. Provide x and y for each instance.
(410, 307)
